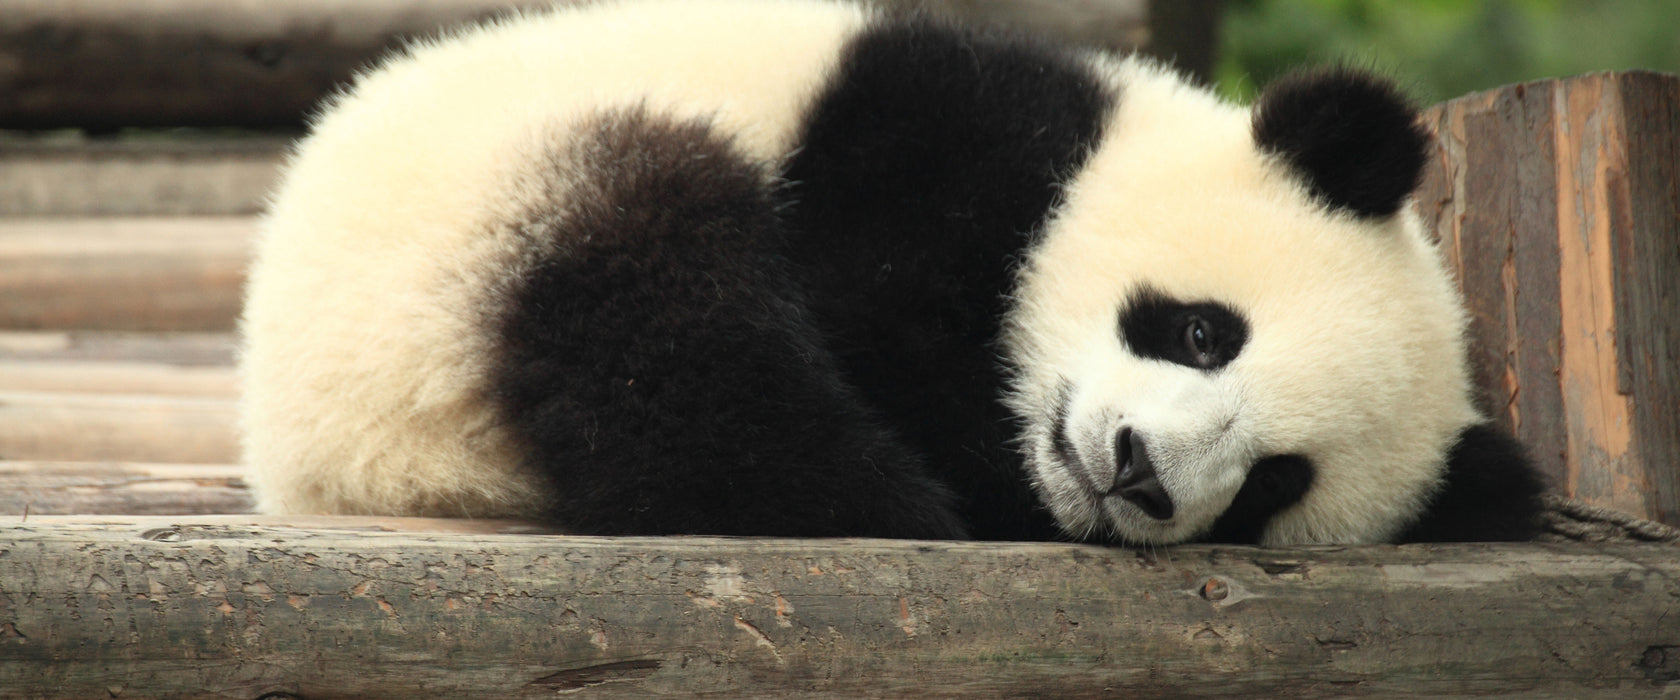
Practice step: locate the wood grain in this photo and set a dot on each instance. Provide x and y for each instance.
(1556, 203)
(183, 349)
(170, 274)
(112, 488)
(178, 608)
(97, 427)
(90, 177)
(117, 378)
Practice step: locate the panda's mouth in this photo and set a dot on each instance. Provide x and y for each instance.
(1130, 476)
(1061, 443)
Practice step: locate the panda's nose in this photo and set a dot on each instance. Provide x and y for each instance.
(1135, 479)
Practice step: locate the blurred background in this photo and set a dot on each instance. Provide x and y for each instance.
(1445, 48)
(101, 66)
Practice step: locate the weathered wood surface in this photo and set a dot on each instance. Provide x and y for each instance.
(93, 177)
(113, 63)
(75, 488)
(117, 428)
(171, 274)
(172, 608)
(186, 349)
(1556, 201)
(117, 378)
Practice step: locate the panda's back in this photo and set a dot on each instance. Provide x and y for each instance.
(466, 294)
(399, 219)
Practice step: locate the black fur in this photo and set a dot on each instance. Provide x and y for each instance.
(926, 168)
(1273, 484)
(705, 351)
(660, 366)
(1491, 493)
(1153, 325)
(702, 345)
(1353, 138)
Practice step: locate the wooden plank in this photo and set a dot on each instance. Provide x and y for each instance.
(84, 177)
(111, 488)
(117, 378)
(1555, 202)
(90, 427)
(178, 608)
(112, 63)
(1648, 285)
(185, 349)
(302, 526)
(123, 273)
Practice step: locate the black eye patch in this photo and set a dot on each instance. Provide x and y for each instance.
(1203, 334)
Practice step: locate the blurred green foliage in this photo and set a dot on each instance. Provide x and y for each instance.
(1441, 49)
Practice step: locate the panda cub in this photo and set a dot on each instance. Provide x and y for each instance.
(803, 268)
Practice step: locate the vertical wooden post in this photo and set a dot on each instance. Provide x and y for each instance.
(1558, 202)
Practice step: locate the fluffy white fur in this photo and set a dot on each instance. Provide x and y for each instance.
(1352, 362)
(364, 363)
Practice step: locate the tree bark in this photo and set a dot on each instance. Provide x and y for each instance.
(1555, 201)
(183, 608)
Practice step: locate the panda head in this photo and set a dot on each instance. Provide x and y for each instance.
(1233, 329)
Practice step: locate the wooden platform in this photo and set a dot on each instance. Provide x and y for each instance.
(130, 565)
(239, 607)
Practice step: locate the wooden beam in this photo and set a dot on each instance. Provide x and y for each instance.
(88, 177)
(180, 607)
(116, 378)
(173, 274)
(96, 427)
(109, 488)
(181, 349)
(1556, 202)
(113, 63)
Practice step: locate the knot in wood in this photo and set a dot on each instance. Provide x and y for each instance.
(1215, 590)
(162, 534)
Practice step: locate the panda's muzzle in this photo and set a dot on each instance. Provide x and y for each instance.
(1135, 479)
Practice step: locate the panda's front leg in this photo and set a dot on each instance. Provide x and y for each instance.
(660, 369)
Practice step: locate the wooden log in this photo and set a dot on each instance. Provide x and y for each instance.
(1556, 202)
(112, 63)
(181, 349)
(90, 427)
(123, 274)
(178, 608)
(117, 378)
(110, 488)
(85, 177)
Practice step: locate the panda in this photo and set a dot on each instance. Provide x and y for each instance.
(806, 268)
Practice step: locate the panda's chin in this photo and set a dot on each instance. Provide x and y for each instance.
(1270, 486)
(1087, 515)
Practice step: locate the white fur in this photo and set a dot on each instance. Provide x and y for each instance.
(364, 362)
(1354, 359)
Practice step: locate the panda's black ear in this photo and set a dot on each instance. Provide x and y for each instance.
(1351, 136)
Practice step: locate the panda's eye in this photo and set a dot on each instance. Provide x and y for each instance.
(1204, 335)
(1198, 339)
